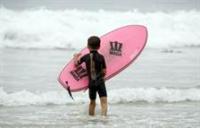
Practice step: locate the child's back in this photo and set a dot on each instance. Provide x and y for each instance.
(95, 64)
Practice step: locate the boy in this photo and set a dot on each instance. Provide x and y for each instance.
(96, 69)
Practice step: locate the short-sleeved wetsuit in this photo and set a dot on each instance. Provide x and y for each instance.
(97, 84)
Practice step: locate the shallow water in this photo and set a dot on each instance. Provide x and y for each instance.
(161, 89)
(135, 115)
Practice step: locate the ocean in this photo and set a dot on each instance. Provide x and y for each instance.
(161, 89)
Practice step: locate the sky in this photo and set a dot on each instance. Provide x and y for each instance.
(121, 5)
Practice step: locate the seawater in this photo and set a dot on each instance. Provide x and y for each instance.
(160, 89)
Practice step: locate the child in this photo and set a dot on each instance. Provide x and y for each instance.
(96, 69)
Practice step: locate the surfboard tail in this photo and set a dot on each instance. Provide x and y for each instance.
(69, 90)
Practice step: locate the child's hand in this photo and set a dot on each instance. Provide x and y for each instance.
(77, 55)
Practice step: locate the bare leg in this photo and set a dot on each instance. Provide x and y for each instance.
(92, 107)
(104, 106)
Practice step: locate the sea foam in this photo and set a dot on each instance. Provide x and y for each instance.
(70, 28)
(119, 96)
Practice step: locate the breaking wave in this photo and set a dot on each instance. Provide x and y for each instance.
(121, 96)
(69, 29)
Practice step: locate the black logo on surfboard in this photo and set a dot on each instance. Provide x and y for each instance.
(79, 73)
(116, 48)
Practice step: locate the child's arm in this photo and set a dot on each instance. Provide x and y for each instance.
(104, 67)
(104, 72)
(76, 58)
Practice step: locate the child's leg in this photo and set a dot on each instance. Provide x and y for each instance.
(92, 107)
(92, 96)
(104, 105)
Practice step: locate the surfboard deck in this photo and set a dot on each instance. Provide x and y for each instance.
(120, 48)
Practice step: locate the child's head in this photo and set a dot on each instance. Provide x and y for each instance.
(94, 43)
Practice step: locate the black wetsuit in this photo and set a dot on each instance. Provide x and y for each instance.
(97, 84)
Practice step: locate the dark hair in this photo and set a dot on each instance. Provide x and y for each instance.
(94, 42)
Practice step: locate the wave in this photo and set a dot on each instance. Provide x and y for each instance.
(70, 28)
(120, 96)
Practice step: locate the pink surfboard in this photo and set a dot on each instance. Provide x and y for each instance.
(120, 48)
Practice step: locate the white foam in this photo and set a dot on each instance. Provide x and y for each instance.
(121, 96)
(43, 28)
(153, 95)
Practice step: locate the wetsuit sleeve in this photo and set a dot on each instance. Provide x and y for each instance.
(82, 59)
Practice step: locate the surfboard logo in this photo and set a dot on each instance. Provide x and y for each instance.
(79, 73)
(116, 48)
